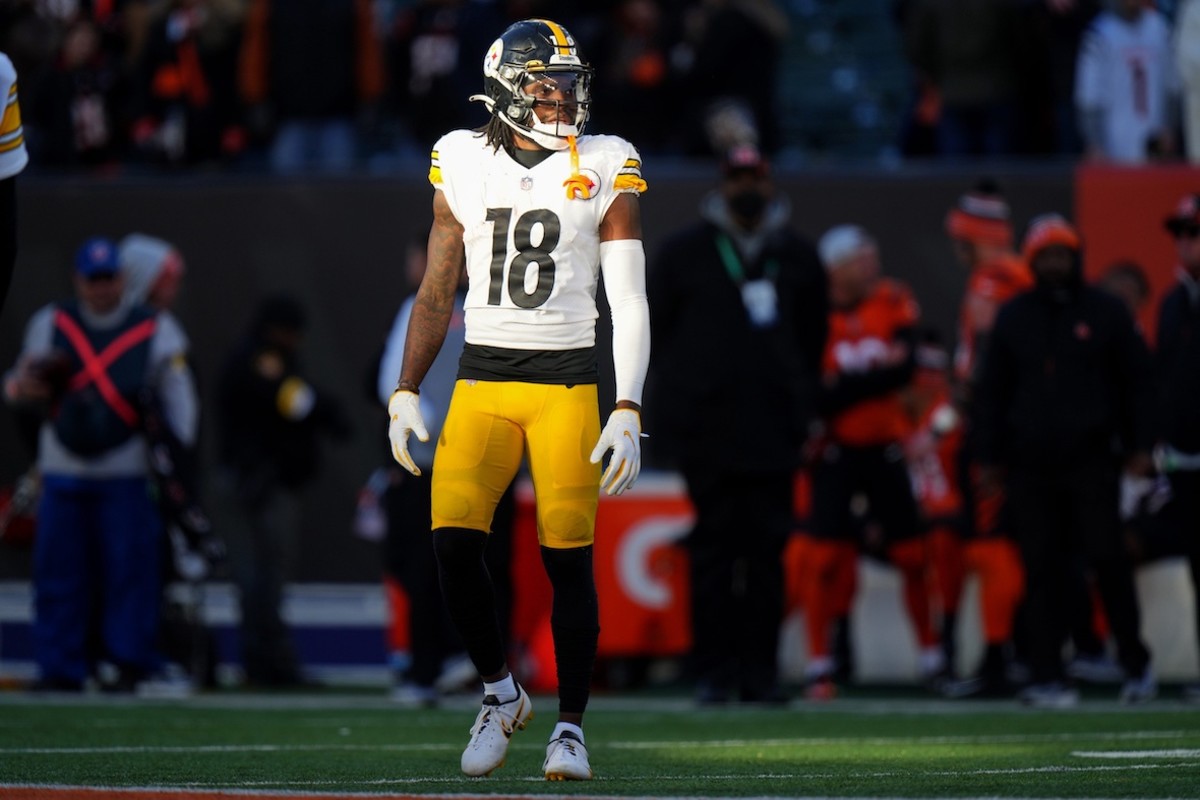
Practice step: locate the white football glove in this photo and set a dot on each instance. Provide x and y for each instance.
(404, 408)
(623, 435)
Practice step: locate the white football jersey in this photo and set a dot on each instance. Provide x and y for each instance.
(532, 252)
(1125, 69)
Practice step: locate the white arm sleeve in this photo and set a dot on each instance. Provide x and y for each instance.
(393, 353)
(176, 384)
(623, 266)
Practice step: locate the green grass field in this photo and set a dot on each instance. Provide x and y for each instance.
(867, 745)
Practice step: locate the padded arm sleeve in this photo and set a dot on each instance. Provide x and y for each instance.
(623, 265)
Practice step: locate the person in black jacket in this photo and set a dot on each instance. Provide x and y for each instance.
(739, 325)
(270, 422)
(1178, 373)
(1064, 401)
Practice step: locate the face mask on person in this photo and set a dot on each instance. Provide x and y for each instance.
(748, 204)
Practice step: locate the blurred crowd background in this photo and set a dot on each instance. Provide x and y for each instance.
(122, 85)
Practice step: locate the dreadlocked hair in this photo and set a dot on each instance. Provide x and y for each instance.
(496, 133)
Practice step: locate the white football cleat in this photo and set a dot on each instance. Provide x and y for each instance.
(491, 733)
(566, 760)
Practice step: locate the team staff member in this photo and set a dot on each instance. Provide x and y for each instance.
(743, 290)
(271, 420)
(1178, 380)
(534, 211)
(13, 159)
(869, 357)
(980, 230)
(84, 364)
(1064, 397)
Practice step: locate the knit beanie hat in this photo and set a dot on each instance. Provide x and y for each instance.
(981, 216)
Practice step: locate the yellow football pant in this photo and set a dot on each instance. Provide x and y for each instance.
(490, 425)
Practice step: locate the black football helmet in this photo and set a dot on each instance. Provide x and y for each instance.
(536, 62)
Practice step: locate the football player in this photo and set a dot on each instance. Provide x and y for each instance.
(979, 227)
(536, 213)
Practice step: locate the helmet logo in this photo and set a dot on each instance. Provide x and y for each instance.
(492, 59)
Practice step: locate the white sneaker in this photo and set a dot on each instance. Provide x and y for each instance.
(566, 760)
(1139, 690)
(1049, 695)
(492, 730)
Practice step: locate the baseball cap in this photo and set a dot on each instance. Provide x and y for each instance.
(743, 158)
(1048, 230)
(841, 243)
(97, 256)
(1186, 216)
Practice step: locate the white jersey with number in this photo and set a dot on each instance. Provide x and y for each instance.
(532, 252)
(1125, 70)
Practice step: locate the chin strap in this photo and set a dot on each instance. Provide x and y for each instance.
(578, 185)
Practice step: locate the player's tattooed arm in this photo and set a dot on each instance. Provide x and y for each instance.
(435, 297)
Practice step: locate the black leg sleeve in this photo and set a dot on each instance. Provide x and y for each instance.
(467, 587)
(575, 622)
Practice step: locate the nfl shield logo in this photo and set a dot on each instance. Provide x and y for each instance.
(526, 183)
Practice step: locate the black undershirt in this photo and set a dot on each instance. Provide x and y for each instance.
(565, 367)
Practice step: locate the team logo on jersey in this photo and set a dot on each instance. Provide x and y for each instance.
(591, 179)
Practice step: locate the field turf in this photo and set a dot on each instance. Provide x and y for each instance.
(325, 743)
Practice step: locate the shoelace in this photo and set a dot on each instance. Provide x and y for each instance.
(485, 716)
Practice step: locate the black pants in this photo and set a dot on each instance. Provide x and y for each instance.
(1184, 517)
(1066, 520)
(410, 559)
(881, 474)
(743, 521)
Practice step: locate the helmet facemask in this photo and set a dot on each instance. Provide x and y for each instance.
(551, 106)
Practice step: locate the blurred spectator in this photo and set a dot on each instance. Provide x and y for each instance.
(931, 451)
(979, 227)
(1049, 50)
(152, 270)
(923, 109)
(729, 58)
(965, 51)
(13, 159)
(77, 114)
(1178, 372)
(635, 50)
(1187, 62)
(1126, 89)
(85, 364)
(311, 74)
(270, 423)
(740, 288)
(1127, 280)
(433, 64)
(436, 650)
(1064, 401)
(184, 94)
(869, 358)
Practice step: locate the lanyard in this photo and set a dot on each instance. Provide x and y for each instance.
(733, 264)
